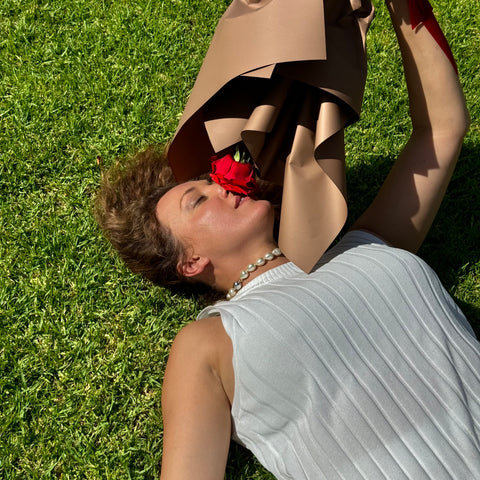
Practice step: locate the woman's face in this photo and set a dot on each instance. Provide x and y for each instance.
(212, 221)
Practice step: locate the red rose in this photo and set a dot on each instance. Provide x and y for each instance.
(234, 176)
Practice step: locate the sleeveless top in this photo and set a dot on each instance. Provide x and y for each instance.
(363, 369)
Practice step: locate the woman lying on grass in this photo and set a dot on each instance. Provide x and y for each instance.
(362, 369)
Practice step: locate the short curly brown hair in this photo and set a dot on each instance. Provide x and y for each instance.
(125, 209)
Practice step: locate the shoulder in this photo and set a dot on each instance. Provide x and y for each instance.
(196, 346)
(201, 334)
(204, 340)
(205, 346)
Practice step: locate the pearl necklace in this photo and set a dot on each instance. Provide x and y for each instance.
(276, 252)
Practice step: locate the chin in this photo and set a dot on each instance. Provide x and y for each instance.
(264, 217)
(264, 207)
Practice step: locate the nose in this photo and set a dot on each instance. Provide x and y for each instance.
(221, 191)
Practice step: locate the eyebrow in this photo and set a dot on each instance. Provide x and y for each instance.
(185, 193)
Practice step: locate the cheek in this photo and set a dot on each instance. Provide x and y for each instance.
(254, 218)
(204, 225)
(260, 211)
(213, 212)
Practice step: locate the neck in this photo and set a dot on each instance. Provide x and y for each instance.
(247, 267)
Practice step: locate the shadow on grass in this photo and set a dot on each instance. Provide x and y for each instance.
(452, 247)
(242, 465)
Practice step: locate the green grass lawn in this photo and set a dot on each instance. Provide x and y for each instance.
(83, 343)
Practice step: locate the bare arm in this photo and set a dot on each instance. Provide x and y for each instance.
(196, 410)
(408, 201)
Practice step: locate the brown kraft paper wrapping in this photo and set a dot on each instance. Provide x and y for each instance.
(285, 77)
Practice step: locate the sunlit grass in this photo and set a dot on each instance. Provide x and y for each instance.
(83, 343)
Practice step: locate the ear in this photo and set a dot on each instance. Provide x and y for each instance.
(192, 266)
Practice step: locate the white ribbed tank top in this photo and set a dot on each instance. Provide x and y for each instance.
(365, 369)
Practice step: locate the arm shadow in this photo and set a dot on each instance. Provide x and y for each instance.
(242, 465)
(452, 246)
(452, 249)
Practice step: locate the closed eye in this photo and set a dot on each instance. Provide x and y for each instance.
(199, 200)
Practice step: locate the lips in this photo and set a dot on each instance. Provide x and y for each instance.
(239, 200)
